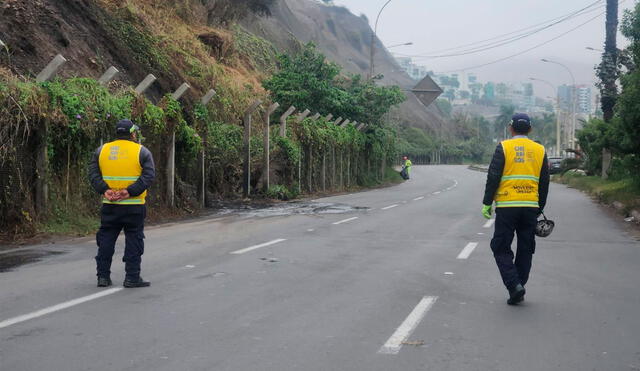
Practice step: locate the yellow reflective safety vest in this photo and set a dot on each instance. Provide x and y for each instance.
(120, 167)
(522, 166)
(407, 164)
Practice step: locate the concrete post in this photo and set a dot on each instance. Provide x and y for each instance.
(180, 91)
(310, 169)
(246, 185)
(202, 186)
(171, 170)
(265, 166)
(606, 163)
(283, 121)
(302, 116)
(171, 162)
(333, 170)
(52, 68)
(145, 84)
(315, 117)
(42, 166)
(208, 97)
(338, 121)
(328, 117)
(341, 170)
(108, 76)
(202, 190)
(345, 123)
(324, 171)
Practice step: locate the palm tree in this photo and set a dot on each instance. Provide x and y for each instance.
(609, 64)
(500, 125)
(608, 73)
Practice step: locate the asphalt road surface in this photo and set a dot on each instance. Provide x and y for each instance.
(407, 283)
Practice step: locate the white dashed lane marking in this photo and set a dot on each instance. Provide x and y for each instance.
(464, 254)
(489, 223)
(394, 344)
(255, 247)
(57, 307)
(345, 220)
(389, 207)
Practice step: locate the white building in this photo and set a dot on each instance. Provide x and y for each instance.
(413, 70)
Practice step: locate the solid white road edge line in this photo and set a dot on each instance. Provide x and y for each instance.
(464, 254)
(345, 220)
(393, 345)
(418, 198)
(389, 207)
(489, 223)
(255, 247)
(57, 307)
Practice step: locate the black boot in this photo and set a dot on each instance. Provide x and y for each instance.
(104, 282)
(516, 295)
(135, 282)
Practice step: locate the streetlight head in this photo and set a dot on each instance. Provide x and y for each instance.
(544, 60)
(409, 43)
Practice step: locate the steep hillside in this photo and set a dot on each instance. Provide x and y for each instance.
(345, 39)
(169, 39)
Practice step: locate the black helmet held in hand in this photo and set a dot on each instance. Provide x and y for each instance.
(544, 227)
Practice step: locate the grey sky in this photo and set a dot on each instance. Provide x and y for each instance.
(433, 25)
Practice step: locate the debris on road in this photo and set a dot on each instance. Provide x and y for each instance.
(270, 260)
(414, 343)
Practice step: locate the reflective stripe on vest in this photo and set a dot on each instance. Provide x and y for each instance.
(519, 183)
(120, 167)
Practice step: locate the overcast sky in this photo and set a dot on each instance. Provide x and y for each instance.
(433, 25)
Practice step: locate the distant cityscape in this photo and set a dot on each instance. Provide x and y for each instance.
(464, 89)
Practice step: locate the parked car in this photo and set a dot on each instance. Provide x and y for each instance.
(555, 164)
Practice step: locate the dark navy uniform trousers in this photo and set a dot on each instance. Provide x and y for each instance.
(521, 221)
(113, 219)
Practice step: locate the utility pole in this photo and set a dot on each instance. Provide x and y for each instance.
(608, 73)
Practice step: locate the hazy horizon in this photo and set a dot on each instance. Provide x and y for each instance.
(445, 26)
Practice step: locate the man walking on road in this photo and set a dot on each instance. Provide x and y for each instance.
(518, 182)
(122, 171)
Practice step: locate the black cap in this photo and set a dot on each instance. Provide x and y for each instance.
(125, 127)
(521, 122)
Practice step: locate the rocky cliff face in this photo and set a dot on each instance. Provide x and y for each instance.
(345, 39)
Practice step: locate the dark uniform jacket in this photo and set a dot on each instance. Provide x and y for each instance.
(495, 175)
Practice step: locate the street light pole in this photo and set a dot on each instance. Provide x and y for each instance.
(373, 40)
(558, 133)
(572, 131)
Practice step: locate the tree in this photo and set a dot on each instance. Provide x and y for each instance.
(308, 81)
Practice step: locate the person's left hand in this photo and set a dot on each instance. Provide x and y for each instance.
(486, 211)
(123, 194)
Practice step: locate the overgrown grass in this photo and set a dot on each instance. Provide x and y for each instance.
(625, 191)
(70, 223)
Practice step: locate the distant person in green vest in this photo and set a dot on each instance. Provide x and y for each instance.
(122, 171)
(406, 168)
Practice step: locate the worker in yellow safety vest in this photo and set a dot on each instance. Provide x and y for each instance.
(406, 168)
(122, 171)
(518, 182)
